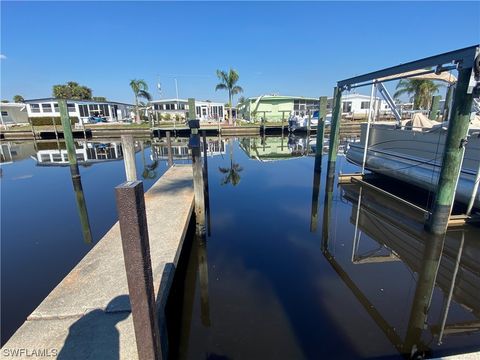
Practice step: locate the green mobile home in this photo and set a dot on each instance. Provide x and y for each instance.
(272, 107)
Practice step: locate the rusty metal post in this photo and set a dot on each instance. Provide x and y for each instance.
(136, 253)
(169, 148)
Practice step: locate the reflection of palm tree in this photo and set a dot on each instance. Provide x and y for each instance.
(148, 170)
(232, 174)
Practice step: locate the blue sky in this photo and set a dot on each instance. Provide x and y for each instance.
(281, 47)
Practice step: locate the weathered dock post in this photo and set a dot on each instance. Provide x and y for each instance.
(68, 137)
(205, 180)
(198, 187)
(169, 148)
(452, 155)
(75, 173)
(138, 266)
(334, 131)
(128, 147)
(435, 106)
(448, 100)
(322, 114)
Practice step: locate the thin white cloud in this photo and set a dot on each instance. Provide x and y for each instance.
(2, 57)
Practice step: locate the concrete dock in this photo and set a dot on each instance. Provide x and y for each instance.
(88, 316)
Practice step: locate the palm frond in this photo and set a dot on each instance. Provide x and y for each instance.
(221, 87)
(237, 90)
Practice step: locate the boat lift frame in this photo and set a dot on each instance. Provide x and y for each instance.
(467, 62)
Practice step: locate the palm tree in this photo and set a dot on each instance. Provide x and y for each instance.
(140, 90)
(18, 99)
(232, 174)
(228, 82)
(422, 91)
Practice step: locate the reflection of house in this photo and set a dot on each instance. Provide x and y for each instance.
(275, 148)
(13, 113)
(87, 152)
(177, 108)
(82, 109)
(180, 148)
(15, 151)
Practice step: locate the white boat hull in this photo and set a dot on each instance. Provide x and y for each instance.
(415, 158)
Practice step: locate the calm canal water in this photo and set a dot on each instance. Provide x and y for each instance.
(277, 279)
(288, 270)
(41, 235)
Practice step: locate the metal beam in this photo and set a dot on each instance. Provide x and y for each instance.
(466, 56)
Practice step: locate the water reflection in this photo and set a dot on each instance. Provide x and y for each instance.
(231, 173)
(447, 262)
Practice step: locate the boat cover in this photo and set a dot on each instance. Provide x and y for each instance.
(420, 122)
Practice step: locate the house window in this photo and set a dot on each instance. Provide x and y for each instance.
(71, 107)
(93, 107)
(55, 108)
(365, 105)
(83, 110)
(4, 113)
(198, 110)
(347, 106)
(46, 108)
(156, 107)
(35, 108)
(104, 109)
(220, 111)
(182, 106)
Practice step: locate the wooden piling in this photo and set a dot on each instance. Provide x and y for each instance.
(322, 115)
(198, 186)
(435, 106)
(136, 252)
(452, 155)
(128, 147)
(68, 137)
(169, 148)
(334, 130)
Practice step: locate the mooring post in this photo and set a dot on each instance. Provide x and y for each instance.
(322, 114)
(448, 100)
(334, 130)
(205, 180)
(452, 155)
(169, 148)
(128, 147)
(68, 137)
(434, 107)
(198, 187)
(136, 252)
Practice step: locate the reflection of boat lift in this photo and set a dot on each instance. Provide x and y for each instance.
(443, 329)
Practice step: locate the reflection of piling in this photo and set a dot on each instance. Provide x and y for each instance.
(205, 180)
(76, 180)
(198, 187)
(203, 280)
(452, 155)
(128, 147)
(82, 208)
(136, 252)
(334, 130)
(327, 209)
(315, 193)
(423, 295)
(169, 149)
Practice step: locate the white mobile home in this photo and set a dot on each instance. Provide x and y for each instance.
(354, 103)
(82, 109)
(204, 110)
(13, 113)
